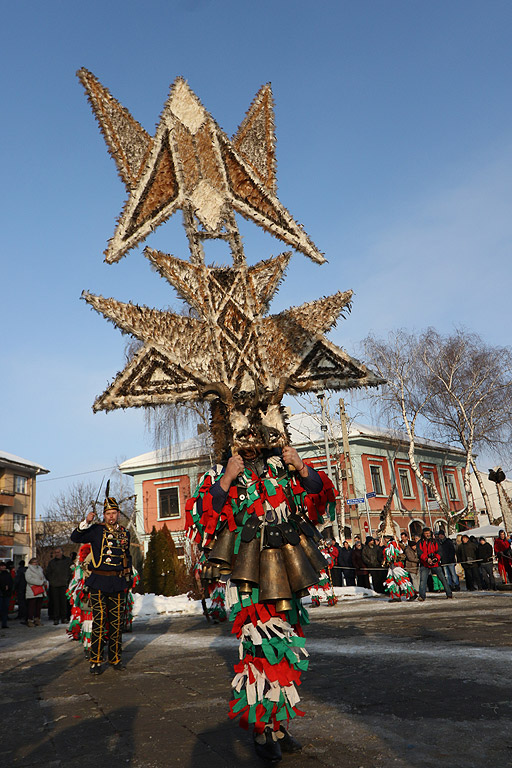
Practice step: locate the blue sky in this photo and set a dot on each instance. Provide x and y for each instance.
(394, 150)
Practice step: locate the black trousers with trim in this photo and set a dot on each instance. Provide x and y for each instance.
(107, 616)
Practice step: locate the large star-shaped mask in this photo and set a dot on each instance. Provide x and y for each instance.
(228, 349)
(190, 164)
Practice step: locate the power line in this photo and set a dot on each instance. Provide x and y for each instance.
(77, 474)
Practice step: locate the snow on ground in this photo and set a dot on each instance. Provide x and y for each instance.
(154, 605)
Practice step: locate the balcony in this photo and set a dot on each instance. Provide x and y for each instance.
(6, 498)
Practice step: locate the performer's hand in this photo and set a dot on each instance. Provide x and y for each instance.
(290, 456)
(234, 467)
(90, 517)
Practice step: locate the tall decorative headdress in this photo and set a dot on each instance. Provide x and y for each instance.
(231, 353)
(109, 502)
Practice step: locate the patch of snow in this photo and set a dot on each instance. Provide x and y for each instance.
(153, 605)
(179, 605)
(354, 593)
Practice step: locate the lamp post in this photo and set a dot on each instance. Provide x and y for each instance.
(323, 427)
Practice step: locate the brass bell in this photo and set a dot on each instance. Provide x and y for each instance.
(222, 551)
(215, 575)
(283, 605)
(274, 584)
(206, 573)
(302, 593)
(246, 570)
(300, 571)
(314, 555)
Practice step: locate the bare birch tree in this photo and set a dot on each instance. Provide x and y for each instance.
(472, 405)
(459, 386)
(405, 397)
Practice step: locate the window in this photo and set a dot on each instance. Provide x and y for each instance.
(430, 492)
(19, 523)
(168, 503)
(376, 476)
(405, 483)
(449, 482)
(20, 484)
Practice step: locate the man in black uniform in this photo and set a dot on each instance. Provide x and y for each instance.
(110, 575)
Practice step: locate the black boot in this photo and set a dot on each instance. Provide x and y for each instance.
(288, 743)
(270, 750)
(95, 669)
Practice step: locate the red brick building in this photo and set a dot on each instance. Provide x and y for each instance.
(164, 480)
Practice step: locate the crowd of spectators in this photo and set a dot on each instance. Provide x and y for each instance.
(30, 587)
(433, 562)
(430, 560)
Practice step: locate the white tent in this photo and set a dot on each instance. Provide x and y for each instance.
(484, 530)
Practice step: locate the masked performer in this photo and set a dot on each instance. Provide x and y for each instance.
(247, 512)
(249, 516)
(397, 582)
(109, 579)
(80, 625)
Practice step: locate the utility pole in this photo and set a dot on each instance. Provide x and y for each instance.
(323, 427)
(353, 509)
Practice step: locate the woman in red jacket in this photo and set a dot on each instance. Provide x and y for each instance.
(504, 555)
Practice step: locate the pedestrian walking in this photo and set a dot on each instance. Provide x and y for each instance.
(35, 592)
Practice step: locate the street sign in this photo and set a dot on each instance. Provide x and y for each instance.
(355, 501)
(432, 505)
(366, 527)
(371, 495)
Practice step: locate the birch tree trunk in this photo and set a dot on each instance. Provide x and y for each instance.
(485, 495)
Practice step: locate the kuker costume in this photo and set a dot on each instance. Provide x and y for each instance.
(231, 353)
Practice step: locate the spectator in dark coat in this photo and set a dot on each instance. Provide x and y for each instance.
(447, 553)
(346, 564)
(467, 556)
(412, 564)
(20, 586)
(6, 586)
(373, 558)
(485, 555)
(362, 576)
(58, 574)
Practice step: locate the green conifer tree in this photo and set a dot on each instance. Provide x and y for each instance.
(150, 568)
(169, 562)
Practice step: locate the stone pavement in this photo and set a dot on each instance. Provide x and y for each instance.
(410, 685)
